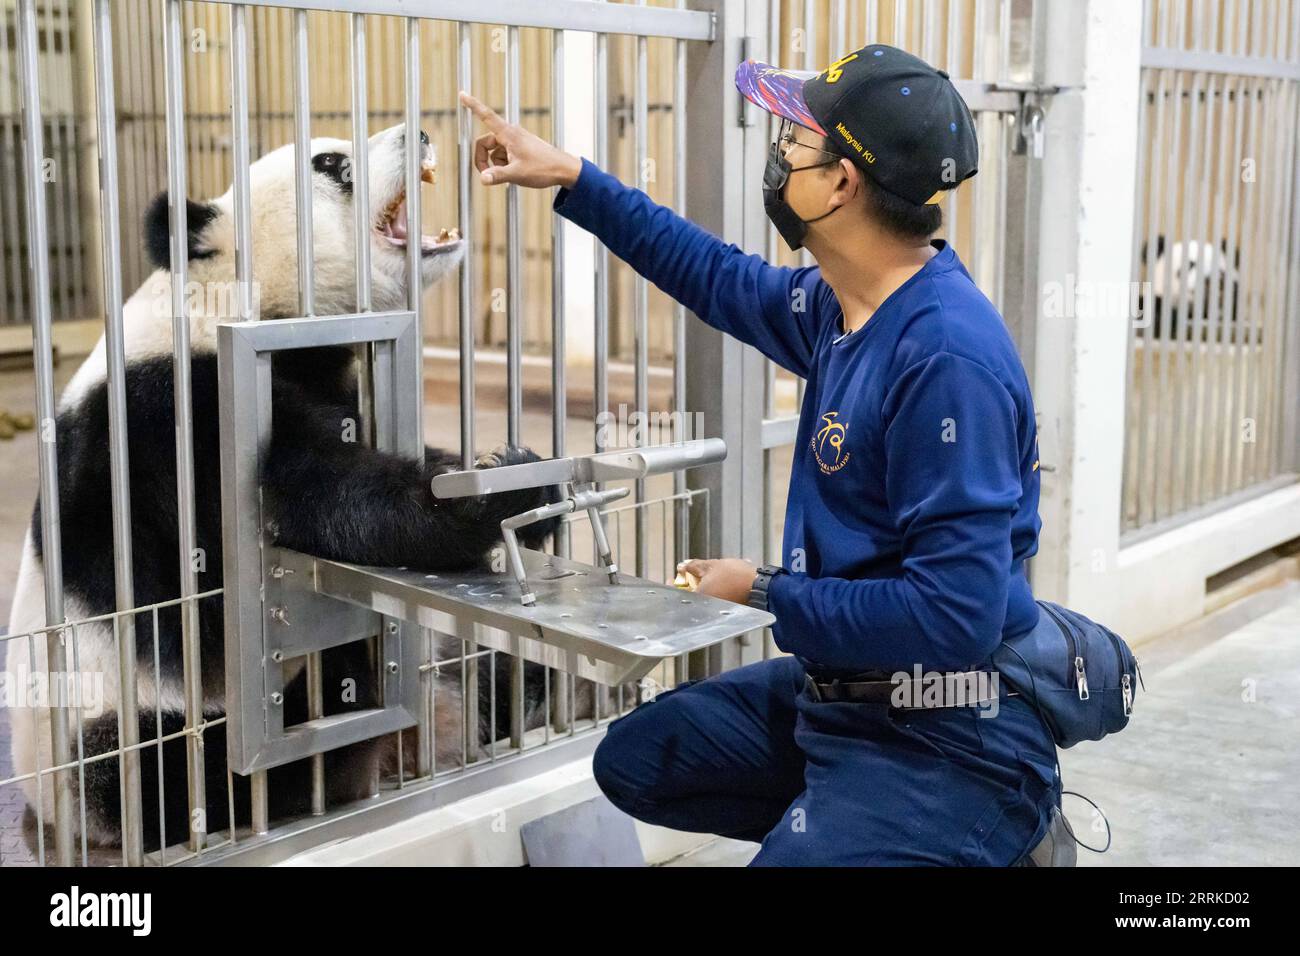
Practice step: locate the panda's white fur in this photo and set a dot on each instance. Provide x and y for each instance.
(147, 322)
(148, 341)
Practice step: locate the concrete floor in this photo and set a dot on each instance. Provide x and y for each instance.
(1208, 771)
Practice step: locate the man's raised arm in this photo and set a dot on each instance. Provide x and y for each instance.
(778, 310)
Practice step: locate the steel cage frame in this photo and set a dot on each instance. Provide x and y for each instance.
(250, 344)
(261, 605)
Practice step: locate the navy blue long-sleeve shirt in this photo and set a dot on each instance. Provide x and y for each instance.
(913, 500)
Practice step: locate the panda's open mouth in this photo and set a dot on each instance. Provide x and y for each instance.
(393, 224)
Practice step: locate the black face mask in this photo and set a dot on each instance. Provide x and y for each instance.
(775, 175)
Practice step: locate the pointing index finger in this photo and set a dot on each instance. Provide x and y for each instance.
(484, 112)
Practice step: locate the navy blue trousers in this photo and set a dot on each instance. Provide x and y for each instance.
(748, 754)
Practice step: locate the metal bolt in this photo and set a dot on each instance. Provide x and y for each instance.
(277, 656)
(278, 614)
(392, 627)
(392, 667)
(277, 698)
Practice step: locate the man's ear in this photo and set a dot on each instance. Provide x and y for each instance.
(848, 180)
(157, 230)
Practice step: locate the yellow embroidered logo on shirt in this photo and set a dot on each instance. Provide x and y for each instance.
(828, 444)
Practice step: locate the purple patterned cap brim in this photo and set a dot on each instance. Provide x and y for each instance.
(777, 91)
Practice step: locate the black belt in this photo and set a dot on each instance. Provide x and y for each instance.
(965, 689)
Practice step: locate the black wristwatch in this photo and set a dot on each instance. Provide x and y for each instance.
(758, 590)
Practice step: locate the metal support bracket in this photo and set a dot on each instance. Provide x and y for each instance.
(281, 605)
(272, 613)
(578, 477)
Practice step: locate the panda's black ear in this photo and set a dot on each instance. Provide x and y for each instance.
(157, 230)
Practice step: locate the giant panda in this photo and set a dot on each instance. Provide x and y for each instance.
(326, 496)
(1195, 277)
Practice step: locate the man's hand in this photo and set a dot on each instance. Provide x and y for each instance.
(510, 154)
(726, 578)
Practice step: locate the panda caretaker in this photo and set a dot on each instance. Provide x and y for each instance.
(913, 502)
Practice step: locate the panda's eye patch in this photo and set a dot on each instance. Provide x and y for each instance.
(336, 166)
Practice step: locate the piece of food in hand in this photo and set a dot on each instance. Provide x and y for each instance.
(686, 581)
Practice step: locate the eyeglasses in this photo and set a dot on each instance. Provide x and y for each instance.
(778, 168)
(785, 141)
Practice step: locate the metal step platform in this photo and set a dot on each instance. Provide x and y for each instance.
(580, 622)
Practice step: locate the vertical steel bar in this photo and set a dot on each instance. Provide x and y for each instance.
(1243, 326)
(641, 302)
(1278, 276)
(1267, 246)
(47, 452)
(681, 505)
(1207, 237)
(559, 410)
(361, 218)
(240, 158)
(600, 370)
(158, 744)
(514, 268)
(601, 305)
(54, 143)
(306, 307)
(1217, 351)
(1232, 322)
(415, 302)
(302, 163)
(465, 306)
(81, 737)
(514, 343)
(119, 458)
(1179, 339)
(1197, 179)
(1289, 459)
(560, 717)
(1163, 353)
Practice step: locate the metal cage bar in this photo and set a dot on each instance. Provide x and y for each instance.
(47, 455)
(119, 458)
(185, 507)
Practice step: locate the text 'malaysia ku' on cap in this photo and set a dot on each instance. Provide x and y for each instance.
(901, 120)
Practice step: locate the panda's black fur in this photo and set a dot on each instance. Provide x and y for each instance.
(325, 495)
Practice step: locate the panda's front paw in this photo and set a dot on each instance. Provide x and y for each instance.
(506, 455)
(506, 504)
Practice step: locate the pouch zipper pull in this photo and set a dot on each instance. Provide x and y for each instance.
(1081, 678)
(1127, 684)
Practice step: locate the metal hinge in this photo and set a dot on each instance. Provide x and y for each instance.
(1030, 115)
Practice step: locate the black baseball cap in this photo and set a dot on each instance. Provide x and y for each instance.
(898, 118)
